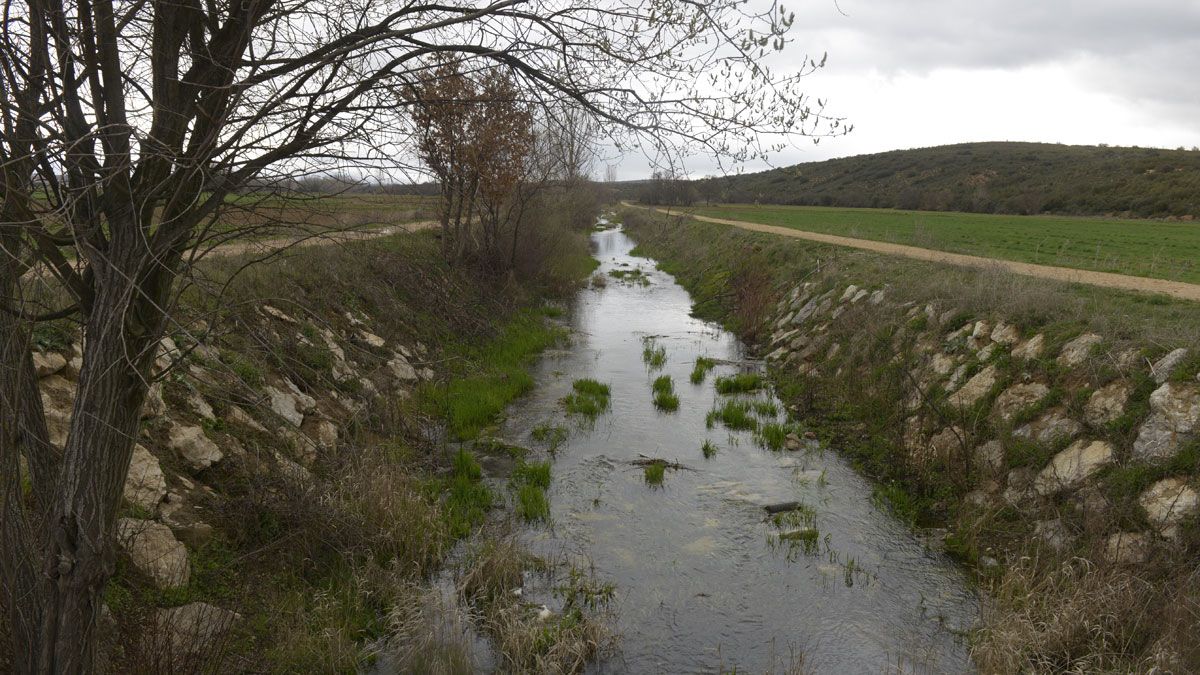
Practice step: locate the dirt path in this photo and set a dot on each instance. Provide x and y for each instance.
(1175, 289)
(265, 245)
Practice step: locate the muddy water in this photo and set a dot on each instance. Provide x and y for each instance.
(703, 582)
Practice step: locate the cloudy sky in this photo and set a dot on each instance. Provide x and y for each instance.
(913, 73)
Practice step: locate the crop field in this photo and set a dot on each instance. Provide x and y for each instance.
(1162, 250)
(273, 215)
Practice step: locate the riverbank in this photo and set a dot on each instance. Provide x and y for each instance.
(1049, 428)
(309, 483)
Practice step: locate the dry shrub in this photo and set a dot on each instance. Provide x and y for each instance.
(1078, 616)
(429, 632)
(493, 570)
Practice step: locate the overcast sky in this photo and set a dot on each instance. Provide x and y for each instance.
(914, 73)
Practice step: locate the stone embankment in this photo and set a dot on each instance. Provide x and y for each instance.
(207, 409)
(1054, 425)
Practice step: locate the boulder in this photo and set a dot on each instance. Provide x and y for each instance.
(975, 389)
(1006, 334)
(1128, 548)
(945, 443)
(1071, 467)
(303, 448)
(989, 457)
(987, 352)
(46, 364)
(241, 417)
(981, 335)
(154, 406)
(284, 404)
(850, 291)
(1076, 351)
(145, 484)
(1018, 398)
(1168, 503)
(1107, 403)
(877, 297)
(1129, 360)
(1054, 425)
(324, 432)
(196, 628)
(401, 369)
(276, 313)
(154, 551)
(859, 296)
(1052, 533)
(942, 364)
(1174, 420)
(371, 340)
(1164, 368)
(1018, 488)
(193, 446)
(199, 406)
(1031, 348)
(304, 403)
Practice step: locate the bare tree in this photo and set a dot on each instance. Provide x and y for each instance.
(126, 125)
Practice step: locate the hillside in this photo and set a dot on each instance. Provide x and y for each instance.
(1019, 178)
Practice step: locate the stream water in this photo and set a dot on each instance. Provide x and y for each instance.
(702, 581)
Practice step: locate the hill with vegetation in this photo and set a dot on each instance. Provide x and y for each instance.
(1021, 178)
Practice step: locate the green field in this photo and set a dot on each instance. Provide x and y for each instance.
(1163, 250)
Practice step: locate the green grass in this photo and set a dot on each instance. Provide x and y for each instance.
(700, 371)
(530, 482)
(472, 402)
(773, 436)
(709, 449)
(589, 399)
(653, 355)
(740, 383)
(633, 277)
(654, 472)
(550, 434)
(467, 498)
(1141, 248)
(765, 408)
(664, 394)
(735, 415)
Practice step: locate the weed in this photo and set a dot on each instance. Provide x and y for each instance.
(700, 371)
(709, 449)
(734, 414)
(467, 498)
(590, 398)
(653, 473)
(766, 409)
(740, 383)
(664, 394)
(773, 436)
(532, 503)
(552, 435)
(653, 355)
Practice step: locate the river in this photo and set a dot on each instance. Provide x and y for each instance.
(703, 582)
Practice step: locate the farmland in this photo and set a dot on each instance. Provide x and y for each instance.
(1163, 250)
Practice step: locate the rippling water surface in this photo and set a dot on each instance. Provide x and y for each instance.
(702, 581)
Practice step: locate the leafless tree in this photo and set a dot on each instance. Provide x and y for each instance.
(126, 125)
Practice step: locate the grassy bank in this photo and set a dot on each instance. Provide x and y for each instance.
(1164, 250)
(859, 372)
(327, 549)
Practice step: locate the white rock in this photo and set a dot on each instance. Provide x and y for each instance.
(1168, 503)
(1053, 533)
(239, 416)
(48, 363)
(850, 291)
(877, 297)
(1174, 420)
(284, 404)
(277, 313)
(195, 629)
(145, 484)
(942, 364)
(1050, 427)
(987, 352)
(1071, 467)
(1006, 334)
(371, 340)
(1167, 365)
(1076, 351)
(154, 551)
(401, 369)
(975, 389)
(989, 457)
(324, 432)
(304, 403)
(1127, 548)
(201, 407)
(1031, 348)
(154, 405)
(1107, 404)
(859, 296)
(1018, 398)
(193, 446)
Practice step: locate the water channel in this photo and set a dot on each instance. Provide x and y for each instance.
(703, 581)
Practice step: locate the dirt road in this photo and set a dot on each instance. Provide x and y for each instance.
(1175, 289)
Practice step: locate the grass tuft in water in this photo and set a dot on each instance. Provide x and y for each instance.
(653, 355)
(735, 415)
(654, 473)
(530, 481)
(739, 384)
(467, 498)
(590, 398)
(700, 371)
(773, 436)
(766, 409)
(709, 449)
(664, 394)
(550, 434)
